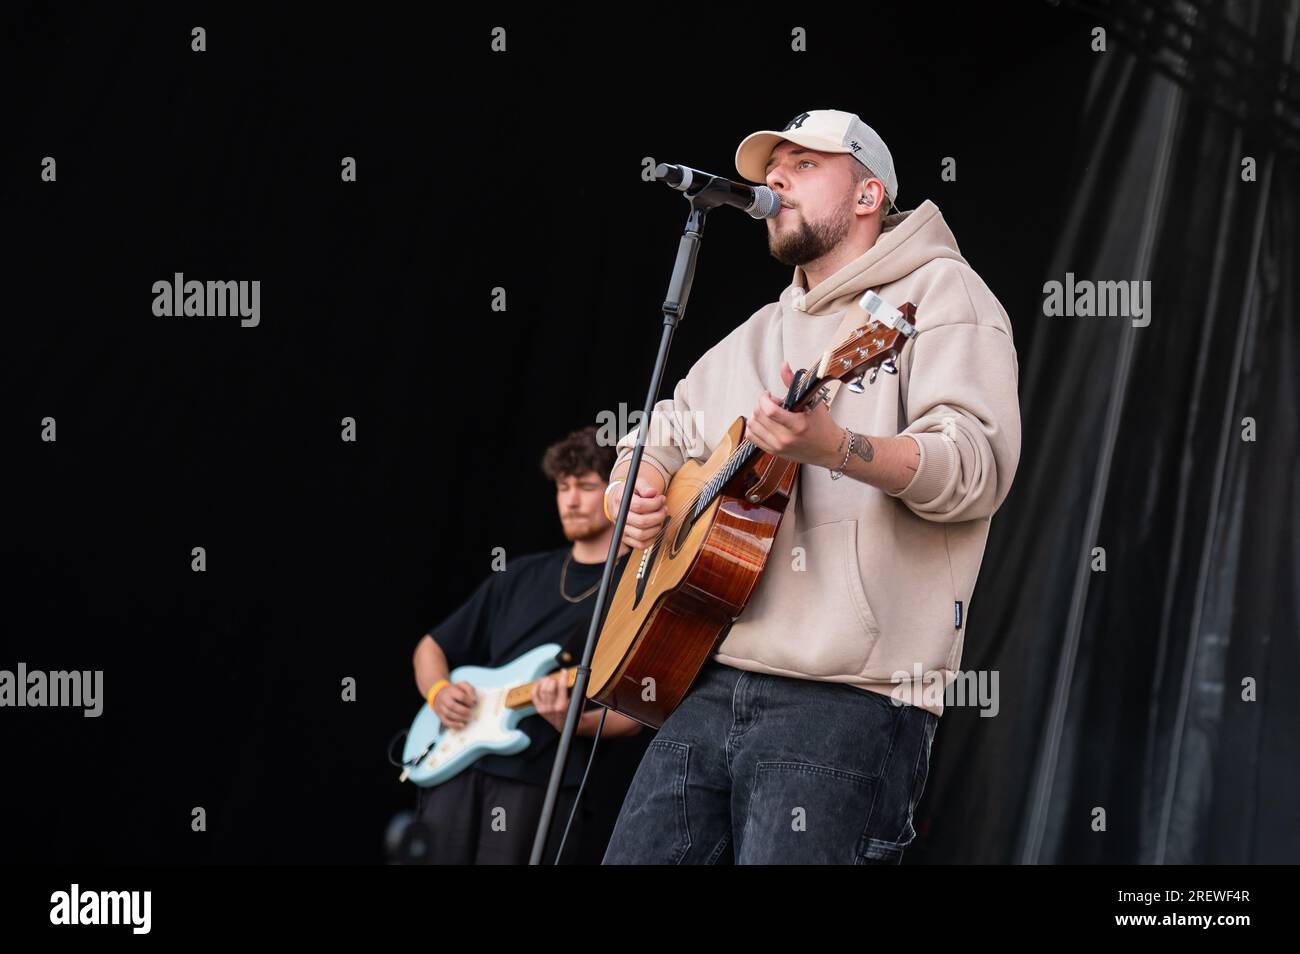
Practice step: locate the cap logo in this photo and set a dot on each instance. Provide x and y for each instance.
(795, 123)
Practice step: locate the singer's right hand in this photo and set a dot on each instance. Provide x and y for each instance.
(646, 514)
(454, 703)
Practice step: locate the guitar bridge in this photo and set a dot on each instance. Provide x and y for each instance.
(645, 561)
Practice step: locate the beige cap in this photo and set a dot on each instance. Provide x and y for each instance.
(826, 130)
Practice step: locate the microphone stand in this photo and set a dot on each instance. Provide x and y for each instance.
(674, 308)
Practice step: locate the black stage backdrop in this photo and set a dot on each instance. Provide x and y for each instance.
(521, 170)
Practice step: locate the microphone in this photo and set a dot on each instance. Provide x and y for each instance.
(709, 190)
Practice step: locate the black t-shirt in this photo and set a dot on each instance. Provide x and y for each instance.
(515, 610)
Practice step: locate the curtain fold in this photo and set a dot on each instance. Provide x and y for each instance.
(1143, 711)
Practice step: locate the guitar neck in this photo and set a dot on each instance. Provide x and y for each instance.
(522, 695)
(746, 451)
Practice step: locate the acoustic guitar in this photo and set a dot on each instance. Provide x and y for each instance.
(666, 618)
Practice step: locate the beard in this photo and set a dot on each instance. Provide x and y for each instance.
(808, 241)
(578, 527)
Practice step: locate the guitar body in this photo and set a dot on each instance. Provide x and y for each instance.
(677, 598)
(491, 729)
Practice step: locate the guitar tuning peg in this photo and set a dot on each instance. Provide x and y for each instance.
(871, 378)
(855, 384)
(888, 366)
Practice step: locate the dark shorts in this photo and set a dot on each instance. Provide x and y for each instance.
(759, 769)
(479, 819)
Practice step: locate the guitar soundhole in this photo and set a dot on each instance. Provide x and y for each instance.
(679, 538)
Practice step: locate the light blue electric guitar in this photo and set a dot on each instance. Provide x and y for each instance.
(503, 698)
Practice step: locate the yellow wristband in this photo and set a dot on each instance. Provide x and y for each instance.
(434, 689)
(605, 501)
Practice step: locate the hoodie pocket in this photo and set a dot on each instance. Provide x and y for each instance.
(843, 630)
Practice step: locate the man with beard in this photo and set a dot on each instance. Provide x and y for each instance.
(488, 813)
(806, 737)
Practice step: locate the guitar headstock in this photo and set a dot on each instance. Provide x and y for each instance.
(869, 349)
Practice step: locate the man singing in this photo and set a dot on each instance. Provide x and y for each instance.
(806, 737)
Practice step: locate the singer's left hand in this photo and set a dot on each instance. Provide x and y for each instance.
(810, 437)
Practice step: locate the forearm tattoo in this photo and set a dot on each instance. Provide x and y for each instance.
(862, 447)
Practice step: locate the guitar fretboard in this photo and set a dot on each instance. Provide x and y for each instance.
(745, 452)
(522, 695)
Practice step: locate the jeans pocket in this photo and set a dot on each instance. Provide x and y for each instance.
(801, 813)
(878, 846)
(652, 827)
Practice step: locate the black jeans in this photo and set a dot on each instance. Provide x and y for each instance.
(479, 819)
(759, 769)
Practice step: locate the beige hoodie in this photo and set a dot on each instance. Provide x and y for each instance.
(862, 586)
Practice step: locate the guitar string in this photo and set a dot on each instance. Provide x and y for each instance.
(738, 458)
